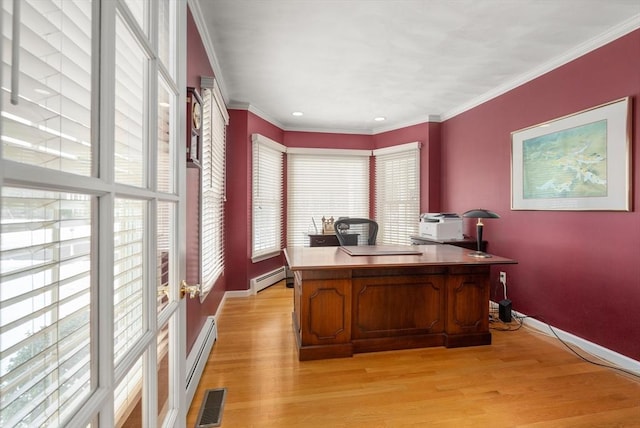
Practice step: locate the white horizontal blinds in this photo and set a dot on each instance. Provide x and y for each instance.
(213, 189)
(167, 36)
(131, 71)
(267, 202)
(129, 274)
(45, 277)
(165, 168)
(324, 183)
(397, 174)
(51, 125)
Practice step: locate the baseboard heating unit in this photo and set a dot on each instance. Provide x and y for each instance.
(199, 355)
(267, 279)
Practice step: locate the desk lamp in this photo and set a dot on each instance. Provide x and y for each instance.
(480, 214)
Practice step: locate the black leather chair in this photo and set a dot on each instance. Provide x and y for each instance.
(365, 229)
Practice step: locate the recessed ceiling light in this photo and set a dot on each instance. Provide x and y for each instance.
(379, 119)
(297, 113)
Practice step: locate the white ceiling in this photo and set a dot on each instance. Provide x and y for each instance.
(344, 62)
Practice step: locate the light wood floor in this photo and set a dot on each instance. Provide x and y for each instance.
(522, 380)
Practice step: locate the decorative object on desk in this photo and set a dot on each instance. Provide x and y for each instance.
(479, 214)
(327, 225)
(579, 162)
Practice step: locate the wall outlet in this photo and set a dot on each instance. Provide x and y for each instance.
(503, 277)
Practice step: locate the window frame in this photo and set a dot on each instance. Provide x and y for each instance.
(213, 193)
(396, 166)
(266, 191)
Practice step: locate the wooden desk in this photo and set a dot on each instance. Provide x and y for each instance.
(348, 304)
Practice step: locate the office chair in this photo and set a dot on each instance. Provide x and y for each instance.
(356, 231)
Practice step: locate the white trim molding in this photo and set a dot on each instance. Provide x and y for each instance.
(341, 152)
(397, 149)
(616, 359)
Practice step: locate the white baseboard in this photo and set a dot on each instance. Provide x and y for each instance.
(197, 358)
(612, 357)
(266, 280)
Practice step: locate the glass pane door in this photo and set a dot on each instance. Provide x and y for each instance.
(90, 203)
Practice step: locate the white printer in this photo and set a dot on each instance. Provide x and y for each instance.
(441, 226)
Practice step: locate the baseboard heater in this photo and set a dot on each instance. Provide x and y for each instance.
(267, 279)
(198, 356)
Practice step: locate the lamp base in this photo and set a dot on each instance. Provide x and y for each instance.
(480, 254)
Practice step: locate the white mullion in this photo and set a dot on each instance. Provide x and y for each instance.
(105, 72)
(150, 382)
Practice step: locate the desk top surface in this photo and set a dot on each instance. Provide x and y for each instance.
(307, 258)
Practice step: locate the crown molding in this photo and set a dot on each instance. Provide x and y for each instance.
(614, 33)
(237, 105)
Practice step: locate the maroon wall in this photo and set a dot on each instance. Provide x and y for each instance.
(197, 313)
(579, 271)
(242, 124)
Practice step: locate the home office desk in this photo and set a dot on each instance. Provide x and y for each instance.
(346, 304)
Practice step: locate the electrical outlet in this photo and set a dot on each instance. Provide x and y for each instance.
(503, 277)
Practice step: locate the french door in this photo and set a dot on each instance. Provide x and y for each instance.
(92, 204)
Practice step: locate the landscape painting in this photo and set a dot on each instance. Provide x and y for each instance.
(567, 164)
(578, 162)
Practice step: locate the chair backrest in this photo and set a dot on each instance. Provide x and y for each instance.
(364, 229)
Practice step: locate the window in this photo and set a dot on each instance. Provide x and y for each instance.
(213, 189)
(324, 183)
(267, 197)
(397, 192)
(89, 194)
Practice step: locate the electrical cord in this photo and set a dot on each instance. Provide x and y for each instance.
(519, 320)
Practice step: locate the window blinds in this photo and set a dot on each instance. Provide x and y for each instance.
(51, 125)
(397, 174)
(329, 183)
(213, 189)
(267, 195)
(45, 275)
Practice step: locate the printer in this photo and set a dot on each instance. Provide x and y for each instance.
(440, 226)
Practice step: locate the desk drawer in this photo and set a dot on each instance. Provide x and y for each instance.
(323, 241)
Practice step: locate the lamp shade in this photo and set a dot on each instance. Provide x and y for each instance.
(480, 213)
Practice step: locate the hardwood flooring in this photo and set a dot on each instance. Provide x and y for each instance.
(523, 379)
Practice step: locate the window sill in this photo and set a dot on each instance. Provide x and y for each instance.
(265, 256)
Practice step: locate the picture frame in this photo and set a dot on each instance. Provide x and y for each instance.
(194, 122)
(579, 162)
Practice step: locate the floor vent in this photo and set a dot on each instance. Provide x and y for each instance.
(269, 278)
(211, 410)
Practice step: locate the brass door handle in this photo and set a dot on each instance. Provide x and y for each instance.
(192, 290)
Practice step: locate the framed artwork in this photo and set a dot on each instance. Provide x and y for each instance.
(194, 122)
(580, 162)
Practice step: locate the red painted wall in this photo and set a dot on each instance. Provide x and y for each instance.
(242, 124)
(579, 271)
(327, 140)
(197, 312)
